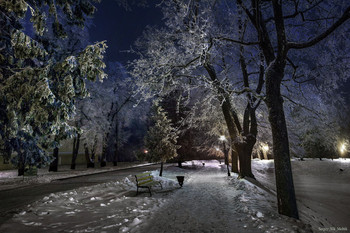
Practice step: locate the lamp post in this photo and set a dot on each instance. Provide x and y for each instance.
(223, 139)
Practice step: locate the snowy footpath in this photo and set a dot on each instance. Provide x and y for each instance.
(209, 201)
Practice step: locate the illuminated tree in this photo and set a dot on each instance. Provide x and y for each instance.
(161, 138)
(38, 86)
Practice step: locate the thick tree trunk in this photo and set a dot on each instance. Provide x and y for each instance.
(234, 161)
(283, 171)
(21, 165)
(245, 159)
(54, 164)
(161, 169)
(76, 142)
(179, 164)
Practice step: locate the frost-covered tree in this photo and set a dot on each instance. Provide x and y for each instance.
(103, 116)
(274, 34)
(118, 115)
(282, 28)
(313, 124)
(185, 55)
(38, 88)
(161, 138)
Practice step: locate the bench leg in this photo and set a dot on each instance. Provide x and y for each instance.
(150, 193)
(137, 191)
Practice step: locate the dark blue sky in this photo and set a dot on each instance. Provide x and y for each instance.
(121, 27)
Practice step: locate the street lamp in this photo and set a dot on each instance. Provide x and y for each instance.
(265, 148)
(222, 138)
(342, 148)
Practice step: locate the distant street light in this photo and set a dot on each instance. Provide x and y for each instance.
(145, 151)
(265, 148)
(222, 138)
(342, 148)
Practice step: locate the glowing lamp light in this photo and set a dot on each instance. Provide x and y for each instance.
(222, 138)
(265, 148)
(145, 151)
(342, 148)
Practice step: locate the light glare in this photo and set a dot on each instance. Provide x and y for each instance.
(265, 148)
(342, 148)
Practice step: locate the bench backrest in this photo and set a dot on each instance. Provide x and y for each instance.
(144, 178)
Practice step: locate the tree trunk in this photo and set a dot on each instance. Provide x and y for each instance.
(234, 162)
(93, 152)
(283, 171)
(231, 119)
(104, 151)
(89, 162)
(179, 164)
(76, 142)
(116, 147)
(103, 162)
(21, 161)
(21, 165)
(54, 164)
(161, 169)
(226, 159)
(244, 150)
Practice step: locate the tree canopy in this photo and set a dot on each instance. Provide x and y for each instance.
(39, 82)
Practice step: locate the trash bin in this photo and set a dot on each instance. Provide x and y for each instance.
(180, 179)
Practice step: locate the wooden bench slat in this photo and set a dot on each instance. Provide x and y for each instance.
(147, 182)
(145, 178)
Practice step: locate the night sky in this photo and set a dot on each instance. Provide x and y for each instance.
(121, 27)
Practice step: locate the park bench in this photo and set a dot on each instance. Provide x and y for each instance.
(145, 180)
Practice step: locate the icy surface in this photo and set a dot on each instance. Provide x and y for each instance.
(209, 201)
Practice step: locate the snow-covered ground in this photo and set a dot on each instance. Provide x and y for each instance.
(322, 188)
(209, 201)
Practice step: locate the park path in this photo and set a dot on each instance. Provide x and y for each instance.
(206, 203)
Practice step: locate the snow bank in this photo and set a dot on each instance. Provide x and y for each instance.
(322, 190)
(209, 201)
(105, 207)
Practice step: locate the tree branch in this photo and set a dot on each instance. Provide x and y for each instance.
(341, 20)
(236, 41)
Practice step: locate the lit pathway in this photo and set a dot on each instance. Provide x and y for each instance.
(206, 203)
